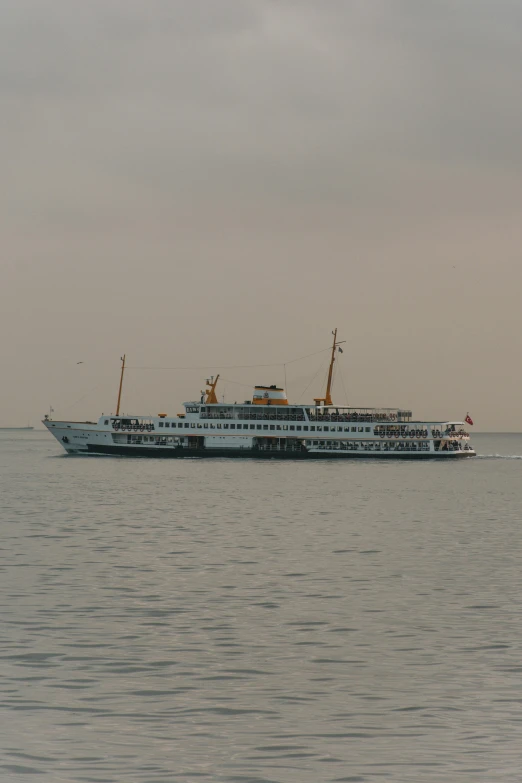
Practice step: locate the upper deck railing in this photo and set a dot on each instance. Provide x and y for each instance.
(313, 414)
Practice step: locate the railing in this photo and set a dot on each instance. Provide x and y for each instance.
(449, 434)
(260, 447)
(374, 446)
(355, 417)
(216, 416)
(254, 416)
(448, 446)
(317, 418)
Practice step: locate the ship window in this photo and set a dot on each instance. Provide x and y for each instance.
(291, 427)
(319, 429)
(354, 429)
(367, 429)
(316, 442)
(106, 421)
(167, 424)
(232, 426)
(312, 429)
(361, 429)
(187, 426)
(160, 424)
(305, 429)
(225, 426)
(265, 426)
(272, 427)
(325, 429)
(278, 427)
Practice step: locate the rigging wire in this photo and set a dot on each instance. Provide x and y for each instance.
(344, 387)
(231, 366)
(213, 366)
(207, 367)
(308, 355)
(313, 379)
(77, 402)
(237, 383)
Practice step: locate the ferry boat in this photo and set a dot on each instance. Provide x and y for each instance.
(266, 426)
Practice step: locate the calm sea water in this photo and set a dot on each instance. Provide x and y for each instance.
(252, 622)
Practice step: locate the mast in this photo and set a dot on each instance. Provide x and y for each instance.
(211, 393)
(327, 399)
(121, 384)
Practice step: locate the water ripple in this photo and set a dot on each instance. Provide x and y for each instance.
(271, 623)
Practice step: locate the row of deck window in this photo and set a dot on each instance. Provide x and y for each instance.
(287, 427)
(352, 445)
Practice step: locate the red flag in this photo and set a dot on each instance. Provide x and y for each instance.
(468, 419)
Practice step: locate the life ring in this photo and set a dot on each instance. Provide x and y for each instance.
(142, 427)
(412, 434)
(135, 428)
(116, 427)
(383, 434)
(123, 427)
(396, 434)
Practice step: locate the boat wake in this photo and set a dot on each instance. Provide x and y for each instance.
(499, 456)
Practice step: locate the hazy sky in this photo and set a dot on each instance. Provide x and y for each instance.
(223, 182)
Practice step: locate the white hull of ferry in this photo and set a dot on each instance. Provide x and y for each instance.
(181, 438)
